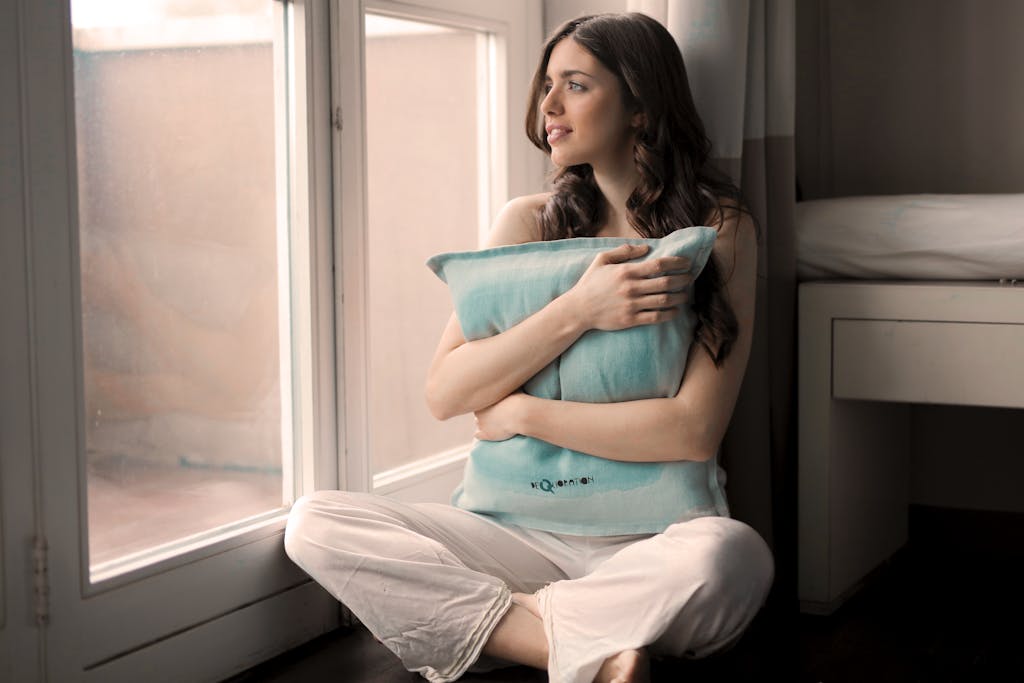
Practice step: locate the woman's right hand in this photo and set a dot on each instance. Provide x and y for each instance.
(614, 294)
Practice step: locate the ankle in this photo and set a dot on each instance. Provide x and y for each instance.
(527, 601)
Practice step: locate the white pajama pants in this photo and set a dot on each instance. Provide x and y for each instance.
(432, 581)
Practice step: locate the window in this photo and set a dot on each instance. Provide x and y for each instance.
(427, 156)
(428, 160)
(184, 269)
(187, 272)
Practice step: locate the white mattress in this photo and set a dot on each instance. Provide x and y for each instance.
(920, 237)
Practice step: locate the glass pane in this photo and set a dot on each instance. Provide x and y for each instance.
(174, 113)
(425, 94)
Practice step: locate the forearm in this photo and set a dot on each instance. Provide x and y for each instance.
(612, 294)
(479, 373)
(650, 430)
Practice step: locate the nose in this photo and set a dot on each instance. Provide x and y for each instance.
(551, 104)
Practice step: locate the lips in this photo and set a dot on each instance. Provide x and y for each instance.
(556, 132)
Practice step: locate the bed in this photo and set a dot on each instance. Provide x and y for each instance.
(903, 300)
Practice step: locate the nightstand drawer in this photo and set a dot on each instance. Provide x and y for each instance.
(928, 362)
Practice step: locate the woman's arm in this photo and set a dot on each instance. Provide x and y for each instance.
(689, 426)
(611, 294)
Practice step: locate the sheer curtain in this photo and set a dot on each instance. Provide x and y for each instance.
(740, 59)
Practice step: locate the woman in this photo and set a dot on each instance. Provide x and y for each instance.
(446, 588)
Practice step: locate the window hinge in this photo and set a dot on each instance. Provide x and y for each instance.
(336, 119)
(41, 580)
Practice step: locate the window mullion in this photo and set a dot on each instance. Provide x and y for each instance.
(311, 246)
(349, 164)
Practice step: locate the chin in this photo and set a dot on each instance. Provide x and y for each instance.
(563, 159)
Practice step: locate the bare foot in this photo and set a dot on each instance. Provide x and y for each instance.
(527, 601)
(629, 666)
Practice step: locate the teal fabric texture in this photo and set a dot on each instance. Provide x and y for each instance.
(532, 483)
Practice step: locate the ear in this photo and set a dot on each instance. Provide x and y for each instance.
(639, 121)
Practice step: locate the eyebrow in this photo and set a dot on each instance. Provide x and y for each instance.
(568, 73)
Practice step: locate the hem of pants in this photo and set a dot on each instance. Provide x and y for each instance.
(555, 672)
(477, 639)
(561, 670)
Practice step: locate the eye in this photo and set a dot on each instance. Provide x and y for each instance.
(578, 87)
(547, 88)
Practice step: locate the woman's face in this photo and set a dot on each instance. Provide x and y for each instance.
(584, 116)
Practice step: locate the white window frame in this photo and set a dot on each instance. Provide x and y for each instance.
(210, 610)
(516, 169)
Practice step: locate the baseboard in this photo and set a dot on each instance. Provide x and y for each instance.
(230, 644)
(824, 609)
(429, 480)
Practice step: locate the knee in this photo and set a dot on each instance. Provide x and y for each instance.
(305, 521)
(728, 570)
(744, 565)
(735, 565)
(296, 529)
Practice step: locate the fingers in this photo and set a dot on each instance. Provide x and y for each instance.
(661, 301)
(650, 309)
(663, 264)
(654, 317)
(632, 294)
(665, 283)
(623, 252)
(651, 268)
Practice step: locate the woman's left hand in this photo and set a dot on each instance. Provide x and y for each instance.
(498, 422)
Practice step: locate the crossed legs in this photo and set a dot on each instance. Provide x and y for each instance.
(440, 587)
(519, 637)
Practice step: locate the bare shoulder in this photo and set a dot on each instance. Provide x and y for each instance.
(517, 221)
(736, 244)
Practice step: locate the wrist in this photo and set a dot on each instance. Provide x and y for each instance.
(522, 413)
(572, 314)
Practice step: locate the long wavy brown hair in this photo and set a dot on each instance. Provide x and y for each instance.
(678, 186)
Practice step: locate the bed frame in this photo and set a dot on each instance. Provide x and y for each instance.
(867, 351)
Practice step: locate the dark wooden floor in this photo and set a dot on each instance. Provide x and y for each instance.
(947, 608)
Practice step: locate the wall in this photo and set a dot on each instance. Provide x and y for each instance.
(557, 12)
(967, 457)
(917, 96)
(909, 96)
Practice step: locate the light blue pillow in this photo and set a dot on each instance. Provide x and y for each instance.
(536, 484)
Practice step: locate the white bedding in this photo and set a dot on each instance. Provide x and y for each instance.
(921, 237)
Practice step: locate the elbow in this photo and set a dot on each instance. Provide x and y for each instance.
(445, 400)
(439, 401)
(437, 408)
(703, 445)
(701, 453)
(438, 404)
(440, 413)
(692, 451)
(692, 439)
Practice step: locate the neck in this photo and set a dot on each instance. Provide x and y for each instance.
(617, 184)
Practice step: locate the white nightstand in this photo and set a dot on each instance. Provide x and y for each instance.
(867, 350)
